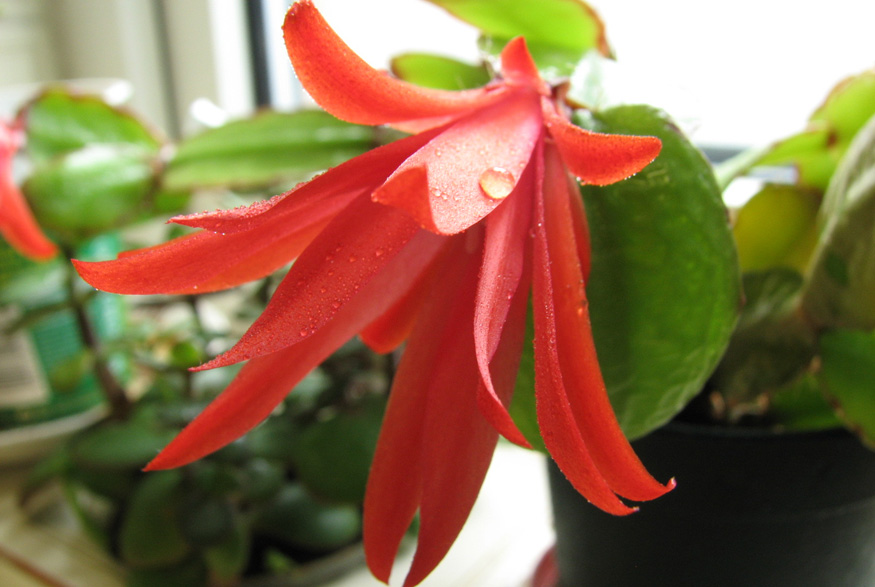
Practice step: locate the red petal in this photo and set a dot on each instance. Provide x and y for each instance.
(464, 173)
(435, 446)
(458, 442)
(500, 284)
(387, 332)
(347, 87)
(581, 228)
(558, 428)
(265, 381)
(586, 391)
(208, 261)
(345, 256)
(518, 67)
(599, 158)
(18, 226)
(395, 481)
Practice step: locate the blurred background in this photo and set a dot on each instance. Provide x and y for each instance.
(736, 72)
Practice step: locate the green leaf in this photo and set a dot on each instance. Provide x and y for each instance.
(189, 573)
(205, 520)
(89, 191)
(228, 559)
(802, 406)
(59, 122)
(302, 522)
(664, 291)
(150, 535)
(434, 71)
(50, 468)
(119, 445)
(817, 150)
(847, 374)
(522, 407)
(558, 32)
(777, 228)
(771, 345)
(840, 291)
(268, 148)
(332, 456)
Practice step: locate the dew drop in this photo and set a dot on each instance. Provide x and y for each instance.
(353, 258)
(497, 182)
(304, 332)
(378, 253)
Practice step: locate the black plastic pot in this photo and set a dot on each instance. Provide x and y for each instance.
(751, 509)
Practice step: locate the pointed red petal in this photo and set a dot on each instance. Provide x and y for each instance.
(347, 87)
(518, 67)
(557, 425)
(500, 284)
(465, 172)
(345, 256)
(235, 219)
(587, 396)
(208, 261)
(265, 381)
(599, 158)
(395, 481)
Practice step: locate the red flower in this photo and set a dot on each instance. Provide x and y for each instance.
(17, 225)
(437, 239)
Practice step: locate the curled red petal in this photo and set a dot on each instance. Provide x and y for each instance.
(585, 388)
(501, 284)
(558, 428)
(345, 257)
(468, 169)
(265, 381)
(599, 158)
(347, 87)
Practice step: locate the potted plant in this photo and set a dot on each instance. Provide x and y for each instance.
(440, 238)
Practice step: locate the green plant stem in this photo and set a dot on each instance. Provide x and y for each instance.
(113, 392)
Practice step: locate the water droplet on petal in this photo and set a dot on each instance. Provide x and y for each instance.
(304, 332)
(497, 183)
(353, 258)
(378, 253)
